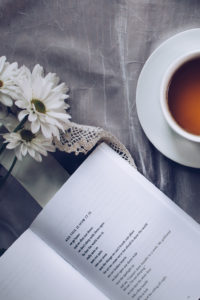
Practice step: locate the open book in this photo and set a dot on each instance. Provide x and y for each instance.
(107, 234)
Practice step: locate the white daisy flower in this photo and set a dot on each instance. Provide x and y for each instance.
(43, 101)
(8, 89)
(25, 142)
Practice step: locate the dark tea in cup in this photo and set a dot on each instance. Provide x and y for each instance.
(183, 96)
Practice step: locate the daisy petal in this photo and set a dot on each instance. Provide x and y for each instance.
(22, 115)
(55, 132)
(32, 117)
(46, 130)
(58, 115)
(38, 71)
(35, 126)
(38, 157)
(12, 145)
(23, 150)
(2, 62)
(20, 104)
(6, 100)
(18, 153)
(31, 152)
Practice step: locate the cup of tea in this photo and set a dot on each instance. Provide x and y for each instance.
(180, 96)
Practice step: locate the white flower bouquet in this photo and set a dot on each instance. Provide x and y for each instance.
(37, 106)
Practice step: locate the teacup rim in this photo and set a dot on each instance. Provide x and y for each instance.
(174, 66)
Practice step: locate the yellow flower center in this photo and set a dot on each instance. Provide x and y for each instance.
(27, 135)
(1, 83)
(39, 106)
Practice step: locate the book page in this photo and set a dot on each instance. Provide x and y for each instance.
(122, 233)
(30, 270)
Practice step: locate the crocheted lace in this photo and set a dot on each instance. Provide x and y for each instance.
(81, 139)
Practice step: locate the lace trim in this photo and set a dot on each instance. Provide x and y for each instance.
(81, 139)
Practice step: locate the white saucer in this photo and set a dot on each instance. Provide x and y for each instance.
(148, 99)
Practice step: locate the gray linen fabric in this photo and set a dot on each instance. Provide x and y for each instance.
(99, 48)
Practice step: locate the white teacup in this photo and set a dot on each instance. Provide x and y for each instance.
(164, 95)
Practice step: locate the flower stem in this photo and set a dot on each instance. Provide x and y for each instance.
(3, 180)
(3, 147)
(19, 126)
